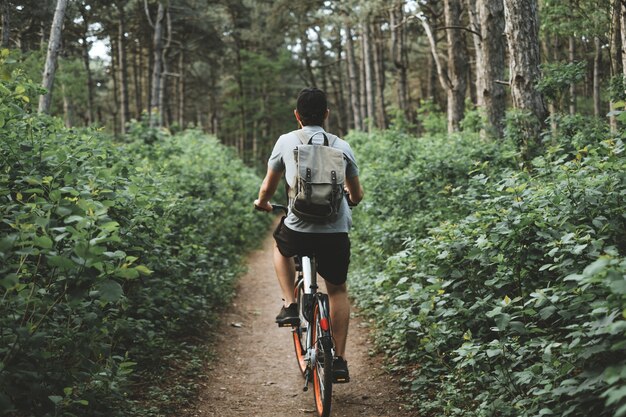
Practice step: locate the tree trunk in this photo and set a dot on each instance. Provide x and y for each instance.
(362, 85)
(379, 78)
(86, 62)
(616, 53)
(491, 95)
(68, 108)
(322, 60)
(623, 48)
(307, 59)
(457, 65)
(6, 23)
(123, 69)
(369, 76)
(156, 118)
(116, 88)
(342, 114)
(354, 80)
(522, 32)
(137, 79)
(399, 56)
(597, 65)
(51, 57)
(181, 89)
(572, 86)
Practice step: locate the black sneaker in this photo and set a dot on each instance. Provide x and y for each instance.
(288, 316)
(340, 370)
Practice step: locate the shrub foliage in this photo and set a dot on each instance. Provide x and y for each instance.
(500, 291)
(111, 256)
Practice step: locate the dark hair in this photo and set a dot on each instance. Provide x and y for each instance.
(312, 106)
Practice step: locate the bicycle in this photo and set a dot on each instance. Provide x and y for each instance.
(312, 338)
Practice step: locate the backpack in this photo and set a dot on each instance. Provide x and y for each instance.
(318, 186)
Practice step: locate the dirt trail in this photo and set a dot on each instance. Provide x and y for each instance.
(255, 373)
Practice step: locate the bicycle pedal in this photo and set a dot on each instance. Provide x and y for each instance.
(341, 380)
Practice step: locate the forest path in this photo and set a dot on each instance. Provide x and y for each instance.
(254, 373)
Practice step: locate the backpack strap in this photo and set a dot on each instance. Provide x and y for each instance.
(305, 140)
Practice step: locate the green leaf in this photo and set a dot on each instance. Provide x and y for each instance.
(493, 352)
(110, 290)
(127, 273)
(61, 262)
(43, 242)
(55, 399)
(143, 270)
(596, 266)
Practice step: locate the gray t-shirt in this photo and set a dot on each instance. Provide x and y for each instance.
(282, 159)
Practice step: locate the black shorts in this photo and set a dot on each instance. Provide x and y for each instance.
(331, 250)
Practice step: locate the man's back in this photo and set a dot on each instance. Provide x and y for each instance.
(282, 158)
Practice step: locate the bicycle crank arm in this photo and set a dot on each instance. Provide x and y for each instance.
(306, 380)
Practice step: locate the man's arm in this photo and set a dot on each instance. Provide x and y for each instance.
(355, 190)
(267, 190)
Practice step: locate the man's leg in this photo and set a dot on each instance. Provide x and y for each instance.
(339, 315)
(286, 273)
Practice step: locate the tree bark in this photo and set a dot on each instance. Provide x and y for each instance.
(399, 56)
(597, 65)
(307, 59)
(572, 86)
(379, 78)
(156, 118)
(87, 63)
(68, 108)
(491, 95)
(181, 89)
(522, 31)
(353, 80)
(616, 53)
(116, 88)
(369, 76)
(362, 85)
(457, 65)
(6, 23)
(51, 57)
(623, 34)
(122, 68)
(137, 79)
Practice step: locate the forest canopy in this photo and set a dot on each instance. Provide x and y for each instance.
(232, 68)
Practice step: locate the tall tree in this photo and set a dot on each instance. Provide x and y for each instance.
(353, 76)
(457, 64)
(6, 23)
(51, 56)
(368, 68)
(490, 61)
(522, 32)
(616, 52)
(122, 67)
(156, 101)
(399, 55)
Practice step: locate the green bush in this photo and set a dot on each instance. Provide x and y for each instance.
(508, 297)
(113, 257)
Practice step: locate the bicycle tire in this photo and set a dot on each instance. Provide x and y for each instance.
(299, 332)
(323, 369)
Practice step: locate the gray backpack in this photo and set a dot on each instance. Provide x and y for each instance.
(318, 186)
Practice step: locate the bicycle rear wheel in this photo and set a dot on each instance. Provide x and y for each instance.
(299, 332)
(323, 366)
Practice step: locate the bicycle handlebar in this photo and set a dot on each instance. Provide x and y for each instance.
(278, 207)
(275, 208)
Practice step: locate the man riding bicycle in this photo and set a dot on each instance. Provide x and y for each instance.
(329, 242)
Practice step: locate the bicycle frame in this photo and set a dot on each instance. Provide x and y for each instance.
(312, 299)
